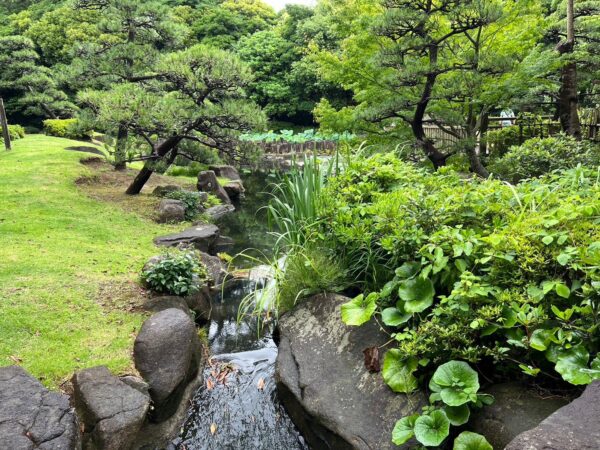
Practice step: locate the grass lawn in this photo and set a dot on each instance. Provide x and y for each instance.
(70, 253)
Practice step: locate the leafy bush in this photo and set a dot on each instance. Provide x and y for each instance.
(16, 132)
(191, 170)
(539, 156)
(175, 273)
(473, 270)
(505, 277)
(191, 200)
(65, 128)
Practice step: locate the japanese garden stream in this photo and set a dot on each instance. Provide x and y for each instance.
(237, 407)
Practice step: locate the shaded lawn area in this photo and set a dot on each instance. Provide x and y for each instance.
(69, 257)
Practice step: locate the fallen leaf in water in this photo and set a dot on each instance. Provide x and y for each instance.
(210, 384)
(213, 428)
(372, 359)
(261, 384)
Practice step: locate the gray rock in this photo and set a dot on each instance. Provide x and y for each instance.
(215, 267)
(32, 417)
(224, 244)
(200, 303)
(158, 304)
(111, 410)
(207, 182)
(167, 353)
(202, 236)
(235, 189)
(170, 211)
(516, 409)
(573, 427)
(161, 191)
(324, 385)
(137, 383)
(224, 171)
(220, 211)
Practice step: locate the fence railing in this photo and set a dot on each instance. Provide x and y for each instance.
(526, 126)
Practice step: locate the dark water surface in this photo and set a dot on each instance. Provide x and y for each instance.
(240, 410)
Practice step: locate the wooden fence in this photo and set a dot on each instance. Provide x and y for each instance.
(528, 127)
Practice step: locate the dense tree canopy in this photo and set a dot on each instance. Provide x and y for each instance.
(388, 71)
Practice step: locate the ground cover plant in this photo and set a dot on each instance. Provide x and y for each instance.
(68, 299)
(502, 277)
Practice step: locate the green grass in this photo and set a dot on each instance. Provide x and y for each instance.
(67, 263)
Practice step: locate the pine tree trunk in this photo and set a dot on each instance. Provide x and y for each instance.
(144, 175)
(121, 148)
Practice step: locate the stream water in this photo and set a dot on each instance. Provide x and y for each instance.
(238, 408)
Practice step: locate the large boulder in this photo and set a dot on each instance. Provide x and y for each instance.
(516, 408)
(235, 189)
(207, 182)
(161, 191)
(224, 171)
(201, 236)
(112, 410)
(217, 271)
(167, 353)
(322, 380)
(219, 211)
(573, 427)
(171, 211)
(32, 417)
(158, 304)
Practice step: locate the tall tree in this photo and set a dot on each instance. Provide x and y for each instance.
(198, 95)
(132, 36)
(429, 62)
(29, 87)
(223, 25)
(568, 93)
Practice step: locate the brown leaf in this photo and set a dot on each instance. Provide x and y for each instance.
(213, 428)
(210, 384)
(372, 359)
(261, 384)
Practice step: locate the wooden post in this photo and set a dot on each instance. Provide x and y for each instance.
(4, 124)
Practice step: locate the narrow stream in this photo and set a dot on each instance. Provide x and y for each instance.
(238, 408)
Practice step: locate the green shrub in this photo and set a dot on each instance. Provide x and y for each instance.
(504, 277)
(473, 270)
(66, 128)
(16, 132)
(191, 170)
(539, 156)
(191, 200)
(175, 273)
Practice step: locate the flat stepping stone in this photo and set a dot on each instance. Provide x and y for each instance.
(203, 237)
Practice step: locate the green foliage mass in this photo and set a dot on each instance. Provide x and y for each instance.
(485, 271)
(65, 128)
(175, 273)
(539, 156)
(31, 88)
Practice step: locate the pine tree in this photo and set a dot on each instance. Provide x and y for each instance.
(132, 36)
(197, 95)
(29, 87)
